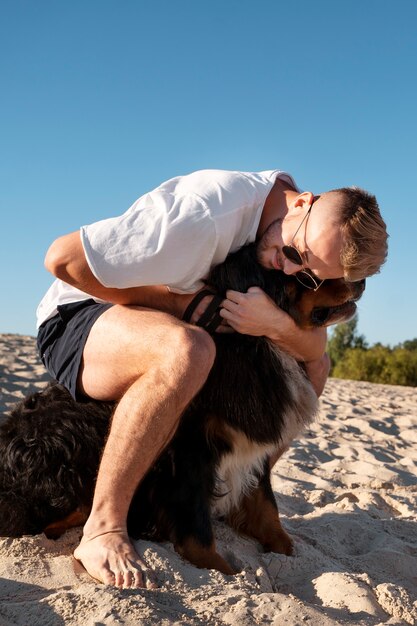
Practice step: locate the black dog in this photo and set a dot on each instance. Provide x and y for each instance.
(255, 401)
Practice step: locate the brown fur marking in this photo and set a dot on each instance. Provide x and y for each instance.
(203, 557)
(56, 529)
(257, 517)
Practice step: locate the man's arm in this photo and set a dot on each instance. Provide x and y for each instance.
(254, 313)
(66, 260)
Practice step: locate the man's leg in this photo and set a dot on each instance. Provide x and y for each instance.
(152, 365)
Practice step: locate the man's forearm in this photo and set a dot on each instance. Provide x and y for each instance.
(303, 345)
(156, 297)
(65, 259)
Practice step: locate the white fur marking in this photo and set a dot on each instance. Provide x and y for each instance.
(237, 472)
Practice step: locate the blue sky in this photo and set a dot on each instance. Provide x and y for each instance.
(103, 100)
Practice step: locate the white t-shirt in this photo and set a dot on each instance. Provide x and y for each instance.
(173, 235)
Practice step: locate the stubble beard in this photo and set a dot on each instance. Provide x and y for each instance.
(268, 238)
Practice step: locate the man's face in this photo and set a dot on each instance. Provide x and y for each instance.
(318, 241)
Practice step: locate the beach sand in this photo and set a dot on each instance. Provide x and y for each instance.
(346, 493)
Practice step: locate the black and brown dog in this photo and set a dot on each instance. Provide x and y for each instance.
(255, 401)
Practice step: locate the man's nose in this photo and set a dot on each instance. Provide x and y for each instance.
(291, 268)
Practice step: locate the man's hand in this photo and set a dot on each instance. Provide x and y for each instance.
(253, 313)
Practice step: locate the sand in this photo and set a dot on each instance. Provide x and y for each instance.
(346, 491)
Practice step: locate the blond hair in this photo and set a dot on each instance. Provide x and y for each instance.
(364, 233)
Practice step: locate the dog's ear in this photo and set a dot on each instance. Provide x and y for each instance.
(55, 392)
(36, 402)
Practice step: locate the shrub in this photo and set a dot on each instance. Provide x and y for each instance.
(379, 364)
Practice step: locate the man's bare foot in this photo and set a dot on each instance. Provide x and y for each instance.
(111, 559)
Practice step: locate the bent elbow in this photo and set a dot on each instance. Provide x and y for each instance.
(52, 259)
(55, 260)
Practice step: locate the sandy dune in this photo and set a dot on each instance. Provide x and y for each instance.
(346, 492)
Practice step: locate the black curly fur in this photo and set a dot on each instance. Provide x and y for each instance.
(46, 438)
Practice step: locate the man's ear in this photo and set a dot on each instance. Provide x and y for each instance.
(303, 200)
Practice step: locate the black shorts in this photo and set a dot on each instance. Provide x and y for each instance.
(62, 338)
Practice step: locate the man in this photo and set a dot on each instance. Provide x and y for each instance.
(123, 285)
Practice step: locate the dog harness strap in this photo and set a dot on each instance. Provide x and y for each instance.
(212, 309)
(194, 304)
(211, 318)
(215, 321)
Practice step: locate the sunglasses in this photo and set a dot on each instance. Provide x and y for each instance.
(304, 276)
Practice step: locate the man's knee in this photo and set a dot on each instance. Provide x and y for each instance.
(191, 351)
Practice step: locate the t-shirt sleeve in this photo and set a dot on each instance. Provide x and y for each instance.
(162, 239)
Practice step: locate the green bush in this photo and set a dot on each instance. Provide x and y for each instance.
(401, 368)
(352, 359)
(344, 337)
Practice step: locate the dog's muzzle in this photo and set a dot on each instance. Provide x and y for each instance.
(325, 316)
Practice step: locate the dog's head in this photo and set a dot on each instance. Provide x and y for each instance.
(333, 302)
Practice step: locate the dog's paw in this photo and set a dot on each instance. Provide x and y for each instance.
(281, 542)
